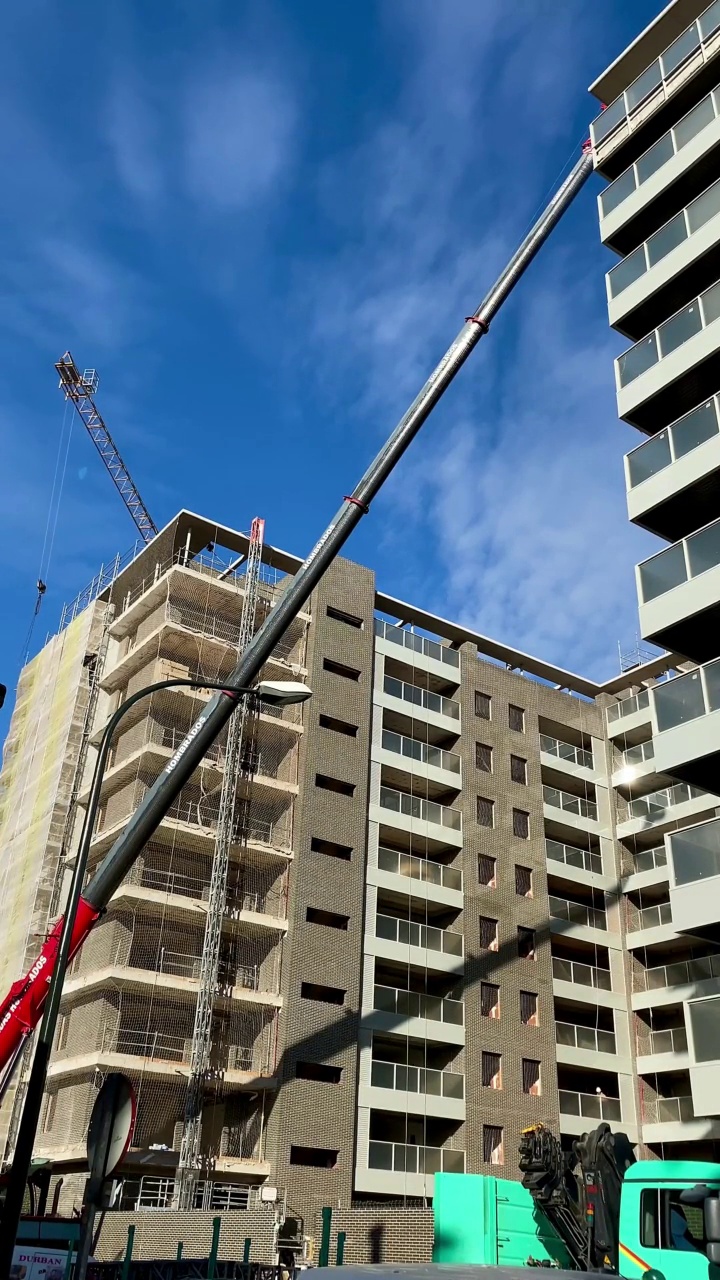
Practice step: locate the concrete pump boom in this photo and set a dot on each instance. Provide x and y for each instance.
(22, 1007)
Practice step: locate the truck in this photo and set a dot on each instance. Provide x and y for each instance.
(595, 1210)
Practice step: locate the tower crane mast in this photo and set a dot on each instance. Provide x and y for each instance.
(81, 388)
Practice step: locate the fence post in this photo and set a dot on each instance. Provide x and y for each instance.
(324, 1255)
(340, 1248)
(246, 1250)
(179, 1251)
(212, 1260)
(125, 1273)
(72, 1244)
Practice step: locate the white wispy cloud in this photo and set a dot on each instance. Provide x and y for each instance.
(132, 131)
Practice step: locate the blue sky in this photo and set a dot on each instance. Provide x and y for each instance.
(263, 222)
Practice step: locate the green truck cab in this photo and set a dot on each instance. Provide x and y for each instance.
(669, 1224)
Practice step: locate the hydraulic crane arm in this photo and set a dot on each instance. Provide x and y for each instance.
(21, 1009)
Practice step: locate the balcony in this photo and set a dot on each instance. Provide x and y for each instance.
(575, 809)
(443, 768)
(657, 83)
(409, 698)
(416, 1014)
(679, 594)
(415, 815)
(629, 714)
(695, 860)
(576, 913)
(652, 188)
(442, 659)
(161, 1055)
(572, 856)
(662, 808)
(402, 1086)
(653, 917)
(687, 719)
(671, 1040)
(419, 878)
(582, 975)
(422, 944)
(570, 1035)
(673, 479)
(681, 973)
(397, 1158)
(566, 752)
(702, 1018)
(590, 1106)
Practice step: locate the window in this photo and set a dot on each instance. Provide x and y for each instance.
(314, 1157)
(323, 995)
(526, 943)
(518, 770)
(334, 784)
(49, 1112)
(666, 1223)
(314, 915)
(492, 1144)
(350, 619)
(483, 757)
(488, 933)
(318, 1071)
(490, 1068)
(63, 1028)
(528, 1008)
(338, 726)
(485, 812)
(523, 882)
(489, 1000)
(331, 849)
(531, 1077)
(521, 824)
(516, 718)
(339, 669)
(483, 705)
(487, 871)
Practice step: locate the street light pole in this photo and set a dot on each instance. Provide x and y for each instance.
(280, 693)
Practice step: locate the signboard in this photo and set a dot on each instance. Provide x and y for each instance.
(36, 1263)
(111, 1126)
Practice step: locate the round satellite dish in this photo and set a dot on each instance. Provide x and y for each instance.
(111, 1125)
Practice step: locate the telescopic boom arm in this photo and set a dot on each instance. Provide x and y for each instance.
(22, 1007)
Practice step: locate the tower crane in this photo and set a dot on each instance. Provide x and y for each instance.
(81, 388)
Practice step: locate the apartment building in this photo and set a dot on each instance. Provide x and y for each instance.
(658, 144)
(447, 911)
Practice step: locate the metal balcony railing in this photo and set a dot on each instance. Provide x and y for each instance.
(414, 1004)
(398, 1158)
(585, 859)
(415, 807)
(664, 1110)
(406, 1079)
(146, 1044)
(405, 864)
(418, 697)
(680, 973)
(655, 806)
(674, 442)
(591, 1106)
(650, 859)
(640, 754)
(568, 1033)
(577, 913)
(652, 81)
(671, 1040)
(418, 644)
(418, 935)
(150, 1192)
(628, 706)
(679, 228)
(671, 334)
(570, 803)
(648, 917)
(566, 751)
(412, 749)
(584, 975)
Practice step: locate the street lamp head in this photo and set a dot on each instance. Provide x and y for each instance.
(281, 693)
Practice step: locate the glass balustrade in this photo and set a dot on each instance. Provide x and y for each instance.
(680, 973)
(415, 1004)
(416, 807)
(398, 1158)
(585, 859)
(696, 853)
(566, 751)
(672, 1040)
(664, 1110)
(591, 1106)
(418, 644)
(418, 935)
(650, 917)
(584, 975)
(568, 1033)
(654, 808)
(412, 693)
(662, 242)
(670, 335)
(570, 803)
(404, 864)
(650, 859)
(653, 79)
(679, 563)
(640, 754)
(407, 1079)
(687, 697)
(577, 913)
(412, 749)
(628, 706)
(668, 146)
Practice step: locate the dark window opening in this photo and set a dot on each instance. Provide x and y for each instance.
(483, 757)
(489, 1000)
(492, 1144)
(350, 619)
(531, 1077)
(487, 871)
(338, 726)
(485, 812)
(339, 669)
(331, 849)
(523, 882)
(488, 933)
(334, 784)
(483, 705)
(323, 995)
(314, 915)
(526, 943)
(314, 1157)
(521, 824)
(490, 1070)
(518, 770)
(516, 718)
(528, 1008)
(318, 1071)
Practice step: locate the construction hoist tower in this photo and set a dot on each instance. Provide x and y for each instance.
(238, 762)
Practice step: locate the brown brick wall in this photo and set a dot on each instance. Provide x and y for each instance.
(157, 1234)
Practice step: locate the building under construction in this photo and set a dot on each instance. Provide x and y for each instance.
(445, 913)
